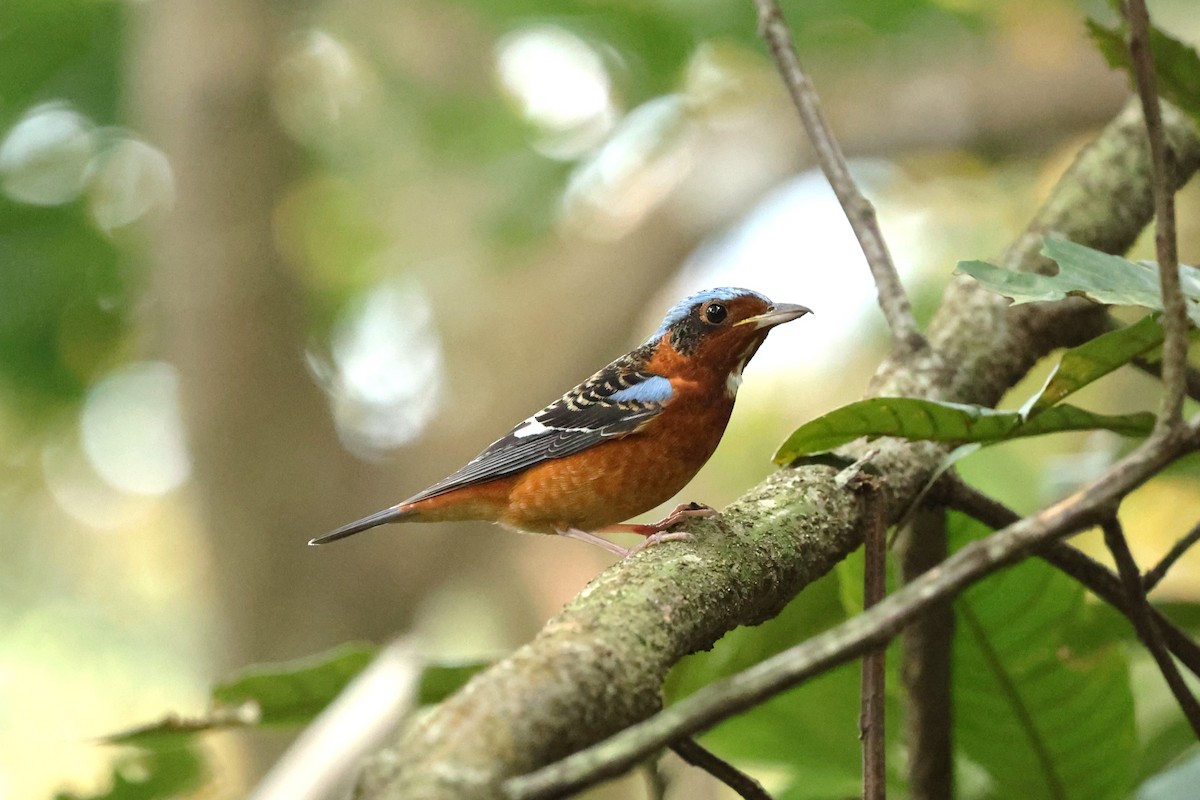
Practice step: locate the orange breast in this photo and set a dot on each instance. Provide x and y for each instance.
(622, 478)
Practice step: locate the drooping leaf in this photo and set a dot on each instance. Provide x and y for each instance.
(1083, 271)
(294, 692)
(174, 728)
(290, 693)
(1042, 699)
(439, 681)
(1176, 65)
(154, 774)
(1096, 358)
(931, 420)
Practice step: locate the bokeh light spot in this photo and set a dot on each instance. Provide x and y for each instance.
(133, 431)
(387, 373)
(128, 179)
(560, 85)
(44, 159)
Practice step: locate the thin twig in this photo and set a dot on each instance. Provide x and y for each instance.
(1152, 578)
(926, 657)
(871, 717)
(1131, 578)
(1191, 376)
(856, 636)
(1174, 319)
(697, 755)
(1099, 579)
(656, 781)
(892, 298)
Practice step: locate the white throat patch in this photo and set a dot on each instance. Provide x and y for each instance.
(734, 379)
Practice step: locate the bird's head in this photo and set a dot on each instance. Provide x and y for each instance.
(719, 330)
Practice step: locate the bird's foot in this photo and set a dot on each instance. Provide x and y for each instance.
(684, 511)
(655, 533)
(658, 538)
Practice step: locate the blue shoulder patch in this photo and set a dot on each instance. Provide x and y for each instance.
(652, 390)
(684, 306)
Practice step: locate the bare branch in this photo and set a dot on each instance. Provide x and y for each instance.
(871, 718)
(656, 781)
(1131, 579)
(892, 298)
(1191, 376)
(1152, 578)
(925, 667)
(697, 755)
(1174, 319)
(873, 628)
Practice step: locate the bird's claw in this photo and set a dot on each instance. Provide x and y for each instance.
(682, 512)
(659, 532)
(659, 538)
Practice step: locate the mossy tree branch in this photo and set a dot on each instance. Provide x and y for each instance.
(598, 666)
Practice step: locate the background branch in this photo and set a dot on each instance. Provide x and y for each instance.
(1131, 579)
(1174, 319)
(697, 755)
(927, 647)
(598, 667)
(1152, 578)
(871, 718)
(892, 298)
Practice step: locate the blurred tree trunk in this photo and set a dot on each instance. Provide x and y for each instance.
(269, 471)
(266, 458)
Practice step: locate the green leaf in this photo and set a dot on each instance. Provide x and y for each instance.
(1094, 359)
(173, 728)
(1083, 271)
(158, 774)
(1042, 699)
(290, 693)
(439, 681)
(294, 692)
(931, 420)
(1176, 65)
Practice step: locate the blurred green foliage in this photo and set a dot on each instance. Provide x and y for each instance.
(159, 773)
(164, 759)
(63, 293)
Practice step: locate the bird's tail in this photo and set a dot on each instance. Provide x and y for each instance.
(393, 514)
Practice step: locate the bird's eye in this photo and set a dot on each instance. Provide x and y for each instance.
(714, 313)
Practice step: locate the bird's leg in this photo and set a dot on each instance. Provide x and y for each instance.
(591, 538)
(681, 512)
(659, 532)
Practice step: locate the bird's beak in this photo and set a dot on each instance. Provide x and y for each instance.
(779, 314)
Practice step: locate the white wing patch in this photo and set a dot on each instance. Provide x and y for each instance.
(530, 427)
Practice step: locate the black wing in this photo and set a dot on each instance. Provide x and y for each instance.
(616, 401)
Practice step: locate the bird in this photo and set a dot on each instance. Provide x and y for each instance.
(620, 443)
